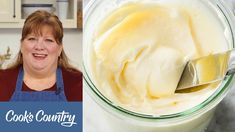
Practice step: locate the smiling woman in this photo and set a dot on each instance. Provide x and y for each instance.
(41, 71)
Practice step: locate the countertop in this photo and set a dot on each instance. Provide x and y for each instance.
(223, 121)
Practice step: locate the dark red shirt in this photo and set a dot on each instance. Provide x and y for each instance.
(72, 84)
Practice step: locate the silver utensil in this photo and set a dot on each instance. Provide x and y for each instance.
(208, 69)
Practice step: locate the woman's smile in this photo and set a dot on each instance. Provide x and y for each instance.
(39, 56)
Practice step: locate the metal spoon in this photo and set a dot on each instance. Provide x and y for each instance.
(208, 69)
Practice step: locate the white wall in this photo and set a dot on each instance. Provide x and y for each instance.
(72, 44)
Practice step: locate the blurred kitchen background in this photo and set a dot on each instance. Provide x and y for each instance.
(14, 12)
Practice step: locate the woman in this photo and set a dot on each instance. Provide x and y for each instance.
(41, 71)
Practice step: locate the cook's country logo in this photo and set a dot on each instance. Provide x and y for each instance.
(64, 118)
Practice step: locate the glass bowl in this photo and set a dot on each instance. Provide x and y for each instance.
(195, 119)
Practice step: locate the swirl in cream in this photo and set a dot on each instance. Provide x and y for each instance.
(140, 50)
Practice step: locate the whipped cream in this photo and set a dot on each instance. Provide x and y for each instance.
(141, 48)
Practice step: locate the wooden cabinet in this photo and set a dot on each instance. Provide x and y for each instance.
(10, 10)
(11, 13)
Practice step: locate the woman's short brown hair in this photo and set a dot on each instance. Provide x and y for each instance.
(34, 24)
(38, 19)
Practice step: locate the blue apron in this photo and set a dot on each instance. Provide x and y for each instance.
(57, 95)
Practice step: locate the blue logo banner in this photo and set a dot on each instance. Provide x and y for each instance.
(41, 116)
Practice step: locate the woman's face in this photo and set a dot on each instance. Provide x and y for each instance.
(40, 52)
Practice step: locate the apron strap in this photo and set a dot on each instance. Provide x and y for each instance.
(58, 95)
(59, 81)
(19, 82)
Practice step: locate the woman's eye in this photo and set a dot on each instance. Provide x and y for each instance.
(50, 40)
(31, 38)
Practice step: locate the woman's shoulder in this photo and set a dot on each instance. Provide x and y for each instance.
(8, 79)
(9, 72)
(71, 73)
(9, 75)
(73, 84)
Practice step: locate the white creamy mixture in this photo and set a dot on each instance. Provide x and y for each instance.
(141, 48)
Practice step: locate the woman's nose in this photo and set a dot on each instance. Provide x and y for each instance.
(39, 44)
